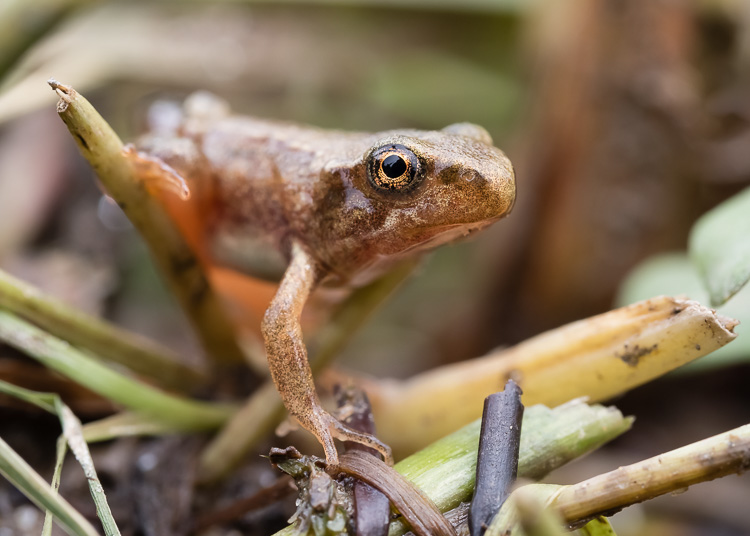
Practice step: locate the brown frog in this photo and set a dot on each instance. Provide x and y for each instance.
(312, 207)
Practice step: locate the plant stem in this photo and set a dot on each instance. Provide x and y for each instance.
(672, 471)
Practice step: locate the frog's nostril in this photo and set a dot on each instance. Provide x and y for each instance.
(462, 176)
(473, 178)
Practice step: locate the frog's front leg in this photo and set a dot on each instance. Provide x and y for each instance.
(287, 359)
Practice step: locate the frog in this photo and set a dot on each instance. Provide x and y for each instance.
(315, 208)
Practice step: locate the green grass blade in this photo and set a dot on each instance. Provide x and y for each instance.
(720, 247)
(45, 401)
(180, 412)
(28, 482)
(551, 437)
(139, 354)
(62, 449)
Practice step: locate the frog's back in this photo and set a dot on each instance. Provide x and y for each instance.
(258, 182)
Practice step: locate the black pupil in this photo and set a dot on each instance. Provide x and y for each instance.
(394, 166)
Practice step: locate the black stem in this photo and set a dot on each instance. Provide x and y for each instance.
(497, 460)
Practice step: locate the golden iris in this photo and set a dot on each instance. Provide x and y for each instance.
(393, 168)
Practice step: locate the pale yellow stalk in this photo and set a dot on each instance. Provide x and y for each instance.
(598, 358)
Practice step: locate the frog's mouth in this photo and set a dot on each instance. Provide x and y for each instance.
(446, 234)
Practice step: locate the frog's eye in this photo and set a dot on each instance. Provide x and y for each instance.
(393, 169)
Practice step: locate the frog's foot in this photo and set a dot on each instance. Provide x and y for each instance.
(155, 174)
(342, 432)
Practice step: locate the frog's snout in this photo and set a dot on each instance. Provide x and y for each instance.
(498, 189)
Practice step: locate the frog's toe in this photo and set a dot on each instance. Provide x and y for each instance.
(344, 433)
(325, 437)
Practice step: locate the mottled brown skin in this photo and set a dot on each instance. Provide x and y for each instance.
(307, 206)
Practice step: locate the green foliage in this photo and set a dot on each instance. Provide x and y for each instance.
(720, 247)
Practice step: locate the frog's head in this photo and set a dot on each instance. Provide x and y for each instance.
(407, 191)
(438, 186)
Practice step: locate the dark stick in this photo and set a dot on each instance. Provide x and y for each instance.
(497, 460)
(372, 507)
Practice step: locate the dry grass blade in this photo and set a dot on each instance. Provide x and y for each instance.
(140, 355)
(419, 511)
(183, 273)
(599, 357)
(608, 493)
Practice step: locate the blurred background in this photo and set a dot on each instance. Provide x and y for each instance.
(625, 121)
